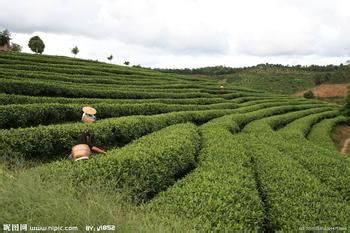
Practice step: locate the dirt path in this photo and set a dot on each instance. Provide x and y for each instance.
(346, 146)
(342, 138)
(328, 90)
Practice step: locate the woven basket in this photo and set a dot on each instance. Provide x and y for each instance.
(81, 150)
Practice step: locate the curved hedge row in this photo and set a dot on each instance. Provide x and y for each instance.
(292, 196)
(221, 194)
(77, 69)
(302, 127)
(297, 177)
(248, 102)
(76, 62)
(320, 133)
(47, 89)
(330, 167)
(154, 88)
(142, 168)
(55, 89)
(280, 121)
(48, 142)
(14, 116)
(177, 88)
(62, 69)
(93, 70)
(51, 59)
(119, 80)
(6, 99)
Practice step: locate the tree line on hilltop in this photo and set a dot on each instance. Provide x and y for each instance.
(36, 44)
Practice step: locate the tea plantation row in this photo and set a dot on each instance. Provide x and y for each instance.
(179, 147)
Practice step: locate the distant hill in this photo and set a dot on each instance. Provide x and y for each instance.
(273, 77)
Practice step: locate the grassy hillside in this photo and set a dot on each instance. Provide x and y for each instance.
(182, 154)
(273, 78)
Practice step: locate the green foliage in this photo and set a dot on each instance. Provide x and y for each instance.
(7, 99)
(128, 80)
(275, 81)
(190, 155)
(41, 88)
(291, 198)
(214, 70)
(273, 78)
(322, 78)
(346, 107)
(75, 50)
(221, 193)
(222, 70)
(16, 47)
(142, 168)
(320, 133)
(235, 166)
(14, 116)
(49, 142)
(36, 44)
(5, 37)
(31, 205)
(309, 95)
(60, 202)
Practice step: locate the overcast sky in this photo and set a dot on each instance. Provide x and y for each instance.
(186, 33)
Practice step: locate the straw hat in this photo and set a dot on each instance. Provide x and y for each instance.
(89, 110)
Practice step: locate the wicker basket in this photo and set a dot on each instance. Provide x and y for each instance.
(81, 151)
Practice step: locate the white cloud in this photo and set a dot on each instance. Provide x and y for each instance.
(186, 33)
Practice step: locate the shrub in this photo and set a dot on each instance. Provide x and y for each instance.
(36, 44)
(25, 115)
(309, 95)
(143, 168)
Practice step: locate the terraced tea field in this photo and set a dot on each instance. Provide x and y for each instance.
(180, 148)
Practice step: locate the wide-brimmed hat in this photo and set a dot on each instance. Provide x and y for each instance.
(89, 110)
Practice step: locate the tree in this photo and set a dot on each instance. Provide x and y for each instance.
(5, 37)
(16, 47)
(75, 50)
(110, 58)
(126, 63)
(36, 44)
